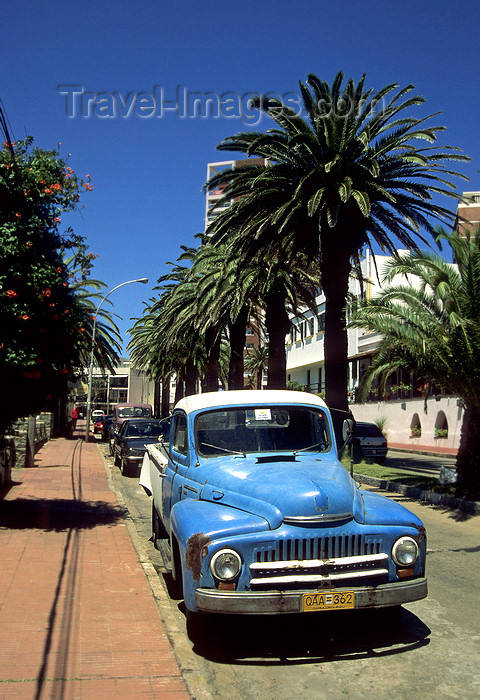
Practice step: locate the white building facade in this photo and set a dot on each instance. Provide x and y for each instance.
(407, 419)
(305, 345)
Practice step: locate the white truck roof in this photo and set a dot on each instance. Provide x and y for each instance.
(216, 399)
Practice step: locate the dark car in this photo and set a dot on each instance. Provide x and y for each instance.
(107, 428)
(130, 441)
(370, 443)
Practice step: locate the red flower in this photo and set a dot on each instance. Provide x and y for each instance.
(59, 270)
(57, 219)
(48, 292)
(11, 293)
(25, 317)
(18, 215)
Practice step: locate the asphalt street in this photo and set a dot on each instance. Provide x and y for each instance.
(428, 649)
(425, 464)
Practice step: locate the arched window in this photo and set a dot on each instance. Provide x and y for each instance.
(415, 426)
(441, 425)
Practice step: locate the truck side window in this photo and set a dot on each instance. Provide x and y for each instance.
(179, 442)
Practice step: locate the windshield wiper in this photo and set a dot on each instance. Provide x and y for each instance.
(224, 449)
(310, 447)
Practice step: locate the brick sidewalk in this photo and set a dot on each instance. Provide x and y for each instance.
(77, 616)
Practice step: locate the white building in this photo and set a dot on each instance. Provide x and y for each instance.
(408, 420)
(214, 195)
(125, 385)
(305, 346)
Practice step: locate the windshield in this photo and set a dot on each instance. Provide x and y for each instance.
(147, 429)
(134, 411)
(261, 429)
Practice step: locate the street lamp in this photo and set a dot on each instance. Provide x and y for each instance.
(143, 280)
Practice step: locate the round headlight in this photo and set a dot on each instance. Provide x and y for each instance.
(405, 551)
(225, 564)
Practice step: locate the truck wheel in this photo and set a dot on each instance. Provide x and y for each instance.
(196, 626)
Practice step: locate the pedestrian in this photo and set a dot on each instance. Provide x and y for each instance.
(74, 417)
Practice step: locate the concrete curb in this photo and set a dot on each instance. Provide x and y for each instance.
(438, 499)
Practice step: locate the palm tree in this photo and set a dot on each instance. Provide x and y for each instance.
(346, 177)
(257, 363)
(430, 324)
(225, 301)
(266, 289)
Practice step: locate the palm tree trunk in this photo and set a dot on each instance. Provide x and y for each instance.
(334, 280)
(237, 344)
(165, 397)
(179, 389)
(468, 462)
(212, 344)
(335, 270)
(277, 324)
(190, 378)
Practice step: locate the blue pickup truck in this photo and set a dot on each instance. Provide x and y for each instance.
(263, 518)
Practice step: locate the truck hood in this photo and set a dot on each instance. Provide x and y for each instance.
(303, 488)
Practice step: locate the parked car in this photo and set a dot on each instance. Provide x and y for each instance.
(107, 428)
(369, 443)
(97, 413)
(263, 518)
(123, 411)
(98, 424)
(129, 442)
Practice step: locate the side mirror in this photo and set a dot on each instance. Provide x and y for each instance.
(347, 431)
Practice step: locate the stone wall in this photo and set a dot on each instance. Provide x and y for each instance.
(27, 436)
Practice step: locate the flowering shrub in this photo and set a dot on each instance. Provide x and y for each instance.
(41, 310)
(441, 432)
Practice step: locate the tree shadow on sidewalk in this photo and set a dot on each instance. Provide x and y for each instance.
(58, 514)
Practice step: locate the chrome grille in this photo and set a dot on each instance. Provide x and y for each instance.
(294, 549)
(310, 562)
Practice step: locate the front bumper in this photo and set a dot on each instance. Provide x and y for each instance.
(275, 602)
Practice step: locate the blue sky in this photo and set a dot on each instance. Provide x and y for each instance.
(148, 167)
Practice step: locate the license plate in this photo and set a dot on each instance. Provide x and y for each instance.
(328, 601)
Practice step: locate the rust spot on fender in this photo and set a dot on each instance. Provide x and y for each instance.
(193, 555)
